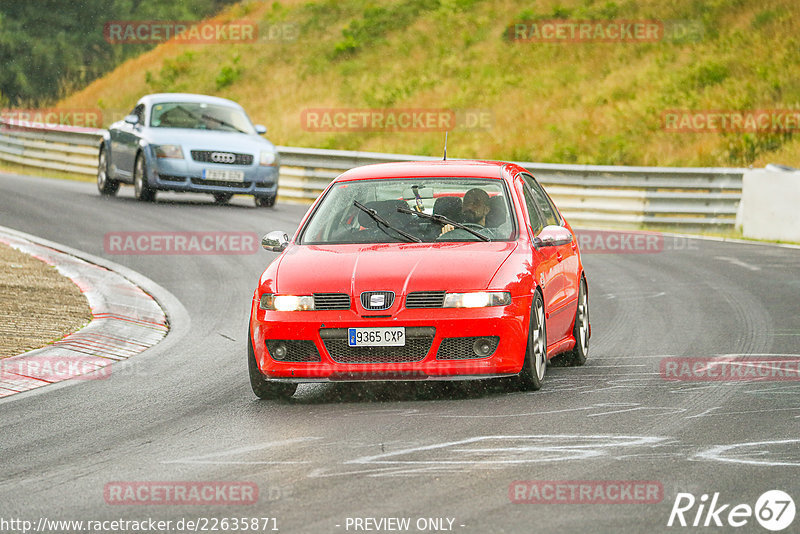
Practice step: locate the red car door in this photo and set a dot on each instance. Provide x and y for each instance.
(567, 256)
(545, 267)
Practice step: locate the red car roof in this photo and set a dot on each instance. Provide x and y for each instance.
(413, 169)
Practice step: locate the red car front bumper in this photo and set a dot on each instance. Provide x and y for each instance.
(429, 327)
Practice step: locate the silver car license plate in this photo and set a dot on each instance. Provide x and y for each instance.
(223, 175)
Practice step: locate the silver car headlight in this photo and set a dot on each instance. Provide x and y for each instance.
(286, 302)
(169, 151)
(478, 299)
(268, 158)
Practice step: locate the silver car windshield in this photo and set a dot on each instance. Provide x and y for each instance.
(200, 116)
(412, 209)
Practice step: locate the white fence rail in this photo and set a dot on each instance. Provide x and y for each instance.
(588, 195)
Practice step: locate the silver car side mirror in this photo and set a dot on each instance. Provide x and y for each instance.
(132, 120)
(275, 241)
(553, 236)
(261, 129)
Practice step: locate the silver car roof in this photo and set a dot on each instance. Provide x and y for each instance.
(159, 98)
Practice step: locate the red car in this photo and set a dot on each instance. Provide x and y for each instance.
(421, 270)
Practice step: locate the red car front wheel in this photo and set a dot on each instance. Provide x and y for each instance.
(265, 389)
(535, 365)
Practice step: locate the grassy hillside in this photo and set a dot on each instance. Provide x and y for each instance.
(575, 102)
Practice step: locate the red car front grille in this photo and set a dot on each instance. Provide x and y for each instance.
(418, 343)
(425, 299)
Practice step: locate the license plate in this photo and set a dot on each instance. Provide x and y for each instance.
(223, 175)
(376, 337)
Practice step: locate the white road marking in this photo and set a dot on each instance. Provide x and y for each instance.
(633, 296)
(212, 458)
(494, 452)
(738, 263)
(563, 447)
(708, 413)
(616, 366)
(610, 358)
(608, 408)
(719, 453)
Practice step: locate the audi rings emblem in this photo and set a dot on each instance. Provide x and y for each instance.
(223, 157)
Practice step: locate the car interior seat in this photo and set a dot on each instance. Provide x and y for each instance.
(386, 209)
(450, 207)
(497, 212)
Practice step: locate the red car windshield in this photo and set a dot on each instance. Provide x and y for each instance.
(412, 210)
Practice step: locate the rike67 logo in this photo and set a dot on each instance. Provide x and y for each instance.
(774, 510)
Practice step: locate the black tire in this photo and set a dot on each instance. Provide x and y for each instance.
(105, 185)
(265, 202)
(141, 190)
(577, 356)
(222, 198)
(263, 388)
(535, 364)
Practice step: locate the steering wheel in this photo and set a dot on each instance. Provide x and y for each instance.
(473, 226)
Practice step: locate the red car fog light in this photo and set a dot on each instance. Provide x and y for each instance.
(467, 348)
(483, 347)
(293, 350)
(279, 351)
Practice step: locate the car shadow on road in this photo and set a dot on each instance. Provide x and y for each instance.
(169, 201)
(367, 392)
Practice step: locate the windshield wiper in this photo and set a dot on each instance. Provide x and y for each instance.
(444, 220)
(221, 122)
(188, 112)
(380, 220)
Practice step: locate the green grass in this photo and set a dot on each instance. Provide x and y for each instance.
(13, 168)
(585, 102)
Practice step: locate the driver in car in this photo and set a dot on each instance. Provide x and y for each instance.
(474, 209)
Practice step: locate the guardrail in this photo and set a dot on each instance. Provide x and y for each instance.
(588, 195)
(50, 146)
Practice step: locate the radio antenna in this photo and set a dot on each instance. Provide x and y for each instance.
(445, 147)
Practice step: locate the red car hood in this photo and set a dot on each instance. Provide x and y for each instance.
(395, 267)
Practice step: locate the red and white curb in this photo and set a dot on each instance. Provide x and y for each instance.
(126, 321)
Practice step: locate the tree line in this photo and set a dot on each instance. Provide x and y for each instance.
(50, 48)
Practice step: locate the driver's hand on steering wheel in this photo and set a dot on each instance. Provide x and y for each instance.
(446, 228)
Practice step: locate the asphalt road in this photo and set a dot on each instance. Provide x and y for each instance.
(184, 411)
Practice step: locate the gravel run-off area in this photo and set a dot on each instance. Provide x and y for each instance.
(38, 305)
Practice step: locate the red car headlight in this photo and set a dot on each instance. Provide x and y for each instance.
(286, 302)
(478, 299)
